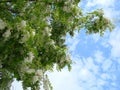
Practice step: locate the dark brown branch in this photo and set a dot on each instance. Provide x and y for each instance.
(4, 1)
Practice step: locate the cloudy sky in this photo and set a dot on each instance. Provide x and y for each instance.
(96, 59)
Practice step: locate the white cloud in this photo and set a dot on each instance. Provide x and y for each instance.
(106, 65)
(96, 37)
(114, 41)
(100, 3)
(65, 80)
(118, 60)
(105, 76)
(99, 56)
(101, 82)
(90, 65)
(85, 75)
(105, 2)
(73, 45)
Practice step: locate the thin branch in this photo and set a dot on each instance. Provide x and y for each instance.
(4, 1)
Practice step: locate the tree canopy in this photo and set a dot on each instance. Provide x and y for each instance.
(32, 38)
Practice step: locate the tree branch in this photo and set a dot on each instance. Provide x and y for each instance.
(4, 1)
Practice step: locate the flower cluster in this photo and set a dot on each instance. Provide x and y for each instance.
(7, 34)
(47, 31)
(51, 43)
(25, 37)
(2, 24)
(23, 24)
(46, 83)
(38, 75)
(29, 58)
(33, 33)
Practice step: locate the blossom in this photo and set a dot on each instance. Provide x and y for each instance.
(30, 71)
(47, 31)
(67, 2)
(2, 24)
(29, 58)
(52, 42)
(39, 72)
(25, 37)
(23, 23)
(66, 9)
(24, 68)
(7, 34)
(35, 79)
(33, 33)
(46, 83)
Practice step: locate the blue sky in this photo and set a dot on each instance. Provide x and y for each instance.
(96, 59)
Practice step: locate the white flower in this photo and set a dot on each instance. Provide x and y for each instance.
(35, 78)
(47, 31)
(25, 37)
(29, 58)
(33, 33)
(46, 83)
(7, 34)
(66, 9)
(72, 6)
(30, 71)
(23, 23)
(49, 34)
(24, 68)
(2, 24)
(39, 72)
(52, 42)
(67, 2)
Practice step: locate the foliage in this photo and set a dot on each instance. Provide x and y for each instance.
(32, 38)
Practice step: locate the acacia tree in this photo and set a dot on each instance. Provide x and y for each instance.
(32, 36)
